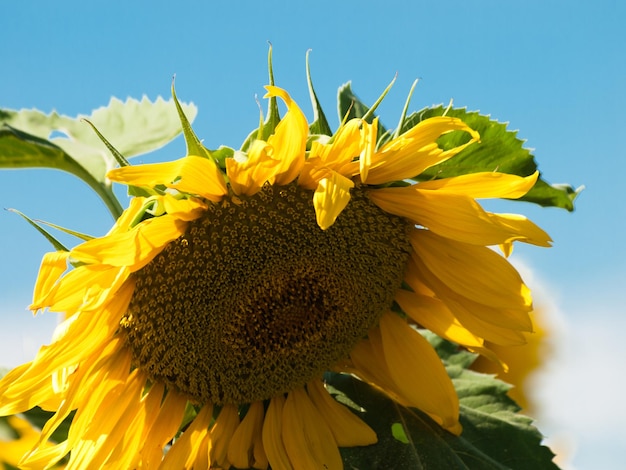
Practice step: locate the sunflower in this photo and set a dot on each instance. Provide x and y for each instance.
(199, 329)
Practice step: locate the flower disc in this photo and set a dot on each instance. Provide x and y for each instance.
(255, 299)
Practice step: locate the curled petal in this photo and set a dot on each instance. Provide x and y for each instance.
(289, 138)
(416, 150)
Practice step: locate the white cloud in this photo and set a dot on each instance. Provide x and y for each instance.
(579, 391)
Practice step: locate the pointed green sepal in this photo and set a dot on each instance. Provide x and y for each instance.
(194, 146)
(398, 130)
(320, 124)
(58, 246)
(267, 126)
(74, 233)
(119, 158)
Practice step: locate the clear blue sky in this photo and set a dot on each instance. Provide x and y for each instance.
(554, 70)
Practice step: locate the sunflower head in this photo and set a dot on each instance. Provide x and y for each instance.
(227, 289)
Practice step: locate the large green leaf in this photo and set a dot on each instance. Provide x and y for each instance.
(499, 149)
(494, 435)
(32, 139)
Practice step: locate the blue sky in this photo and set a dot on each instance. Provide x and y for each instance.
(554, 70)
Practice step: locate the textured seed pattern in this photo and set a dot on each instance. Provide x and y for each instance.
(255, 299)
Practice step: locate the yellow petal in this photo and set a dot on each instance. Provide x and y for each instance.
(526, 230)
(344, 148)
(484, 185)
(416, 150)
(185, 449)
(44, 457)
(477, 273)
(449, 215)
(435, 316)
(461, 308)
(369, 364)
(349, 430)
(53, 265)
(418, 372)
(129, 216)
(27, 386)
(331, 197)
(187, 209)
(133, 249)
(242, 444)
(164, 428)
(248, 173)
(308, 440)
(86, 287)
(368, 146)
(191, 174)
(221, 435)
(273, 435)
(289, 138)
(110, 424)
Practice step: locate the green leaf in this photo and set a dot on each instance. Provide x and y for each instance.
(350, 107)
(32, 139)
(494, 435)
(498, 150)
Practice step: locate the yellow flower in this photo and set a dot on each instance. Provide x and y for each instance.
(208, 315)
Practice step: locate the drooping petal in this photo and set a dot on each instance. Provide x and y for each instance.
(135, 248)
(450, 215)
(349, 430)
(221, 435)
(86, 287)
(416, 150)
(477, 273)
(483, 185)
(462, 309)
(109, 424)
(193, 175)
(308, 440)
(369, 364)
(436, 317)
(418, 372)
(53, 265)
(185, 449)
(273, 435)
(25, 387)
(331, 197)
(246, 438)
(163, 429)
